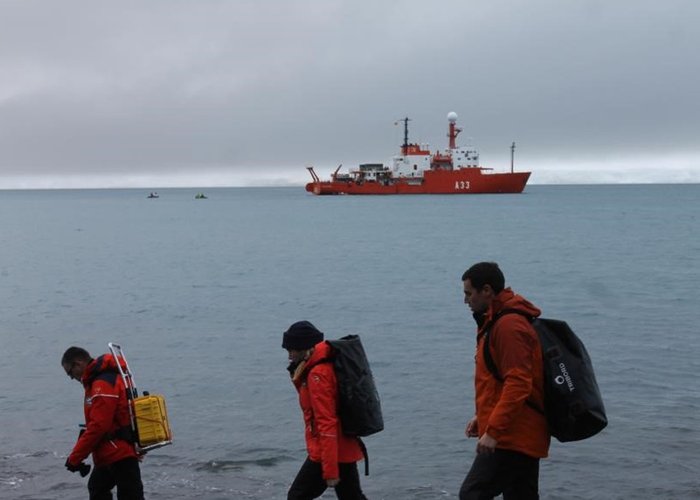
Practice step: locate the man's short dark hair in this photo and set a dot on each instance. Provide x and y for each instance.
(485, 273)
(75, 354)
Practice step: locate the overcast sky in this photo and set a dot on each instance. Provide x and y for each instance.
(204, 93)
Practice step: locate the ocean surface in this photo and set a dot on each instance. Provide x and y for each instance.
(198, 293)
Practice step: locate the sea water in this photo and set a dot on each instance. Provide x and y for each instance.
(198, 293)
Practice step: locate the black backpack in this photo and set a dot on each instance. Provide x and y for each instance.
(573, 405)
(359, 408)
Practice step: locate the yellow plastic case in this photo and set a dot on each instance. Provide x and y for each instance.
(152, 420)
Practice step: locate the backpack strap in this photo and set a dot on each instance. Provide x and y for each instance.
(125, 433)
(364, 454)
(486, 334)
(488, 359)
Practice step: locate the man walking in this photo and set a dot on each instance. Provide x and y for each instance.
(332, 456)
(509, 423)
(107, 435)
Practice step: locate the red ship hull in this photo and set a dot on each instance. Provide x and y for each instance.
(460, 181)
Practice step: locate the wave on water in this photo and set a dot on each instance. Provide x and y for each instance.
(216, 466)
(427, 492)
(13, 481)
(36, 454)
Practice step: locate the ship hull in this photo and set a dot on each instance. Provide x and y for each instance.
(461, 181)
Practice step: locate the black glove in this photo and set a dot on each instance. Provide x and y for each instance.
(71, 467)
(82, 467)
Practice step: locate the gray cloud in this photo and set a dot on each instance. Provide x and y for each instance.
(174, 92)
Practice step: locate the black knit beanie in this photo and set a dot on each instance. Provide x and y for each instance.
(301, 335)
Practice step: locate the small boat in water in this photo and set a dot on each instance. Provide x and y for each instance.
(416, 170)
(200, 196)
(152, 195)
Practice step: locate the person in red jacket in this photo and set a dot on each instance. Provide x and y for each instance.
(332, 456)
(107, 434)
(511, 430)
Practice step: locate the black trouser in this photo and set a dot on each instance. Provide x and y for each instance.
(124, 474)
(310, 484)
(514, 474)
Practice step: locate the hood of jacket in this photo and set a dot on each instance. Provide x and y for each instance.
(101, 365)
(322, 351)
(508, 299)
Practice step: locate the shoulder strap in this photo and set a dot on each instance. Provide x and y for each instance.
(488, 359)
(108, 376)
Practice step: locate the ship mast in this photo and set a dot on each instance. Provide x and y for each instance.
(404, 148)
(512, 155)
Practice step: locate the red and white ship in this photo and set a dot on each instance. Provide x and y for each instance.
(418, 171)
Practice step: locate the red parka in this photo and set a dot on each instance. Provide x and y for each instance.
(106, 412)
(500, 406)
(318, 397)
